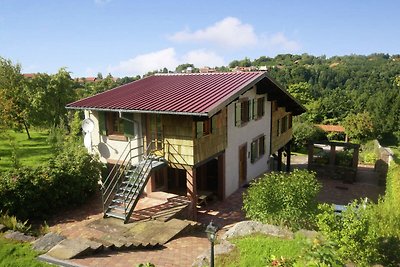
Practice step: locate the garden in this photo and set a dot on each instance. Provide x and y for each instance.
(364, 234)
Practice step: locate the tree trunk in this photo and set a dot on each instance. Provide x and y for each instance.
(27, 130)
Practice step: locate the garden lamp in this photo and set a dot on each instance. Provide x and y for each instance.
(211, 232)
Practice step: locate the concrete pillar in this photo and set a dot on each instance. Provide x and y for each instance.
(151, 184)
(191, 193)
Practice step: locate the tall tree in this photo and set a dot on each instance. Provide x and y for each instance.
(14, 100)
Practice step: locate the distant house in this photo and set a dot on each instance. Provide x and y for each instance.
(188, 134)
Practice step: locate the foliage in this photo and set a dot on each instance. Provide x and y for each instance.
(319, 253)
(344, 158)
(281, 198)
(12, 223)
(368, 154)
(18, 254)
(358, 126)
(361, 234)
(14, 99)
(304, 132)
(301, 91)
(66, 180)
(257, 250)
(147, 264)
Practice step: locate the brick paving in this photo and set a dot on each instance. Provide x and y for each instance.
(183, 250)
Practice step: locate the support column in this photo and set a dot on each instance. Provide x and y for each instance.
(221, 177)
(332, 156)
(151, 184)
(191, 193)
(288, 157)
(280, 159)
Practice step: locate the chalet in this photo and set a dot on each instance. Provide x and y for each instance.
(188, 134)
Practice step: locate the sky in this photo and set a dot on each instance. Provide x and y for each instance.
(132, 37)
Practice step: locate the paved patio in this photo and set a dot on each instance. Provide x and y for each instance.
(183, 250)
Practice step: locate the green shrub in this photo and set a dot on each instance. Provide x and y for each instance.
(361, 234)
(305, 132)
(285, 199)
(12, 223)
(66, 180)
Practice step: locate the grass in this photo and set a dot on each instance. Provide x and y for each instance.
(14, 253)
(256, 250)
(29, 152)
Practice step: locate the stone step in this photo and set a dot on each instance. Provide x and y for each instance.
(72, 248)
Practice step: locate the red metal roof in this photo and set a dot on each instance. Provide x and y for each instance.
(195, 93)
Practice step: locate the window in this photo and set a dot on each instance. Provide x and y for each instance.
(258, 108)
(205, 127)
(115, 124)
(242, 112)
(257, 148)
(284, 124)
(111, 124)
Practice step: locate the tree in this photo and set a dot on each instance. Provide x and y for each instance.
(301, 91)
(60, 92)
(14, 100)
(359, 126)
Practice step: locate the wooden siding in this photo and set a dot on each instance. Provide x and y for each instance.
(178, 140)
(279, 141)
(213, 143)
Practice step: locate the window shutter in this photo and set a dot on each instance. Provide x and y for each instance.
(253, 151)
(238, 113)
(129, 128)
(260, 110)
(255, 109)
(214, 126)
(262, 145)
(102, 122)
(199, 129)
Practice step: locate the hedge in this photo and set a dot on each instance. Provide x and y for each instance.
(36, 193)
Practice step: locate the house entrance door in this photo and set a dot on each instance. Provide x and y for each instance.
(155, 133)
(242, 164)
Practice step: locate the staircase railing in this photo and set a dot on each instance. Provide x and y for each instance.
(112, 181)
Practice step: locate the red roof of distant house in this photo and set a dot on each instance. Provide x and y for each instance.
(201, 94)
(331, 128)
(29, 75)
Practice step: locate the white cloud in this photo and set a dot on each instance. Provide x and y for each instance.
(201, 58)
(231, 33)
(279, 42)
(228, 33)
(168, 58)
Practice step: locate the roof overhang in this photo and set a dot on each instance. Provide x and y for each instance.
(141, 111)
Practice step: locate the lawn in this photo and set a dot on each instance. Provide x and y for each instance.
(256, 250)
(18, 254)
(29, 152)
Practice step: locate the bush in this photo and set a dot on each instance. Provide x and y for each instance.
(304, 132)
(285, 199)
(66, 180)
(361, 234)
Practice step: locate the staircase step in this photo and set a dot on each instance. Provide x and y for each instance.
(115, 215)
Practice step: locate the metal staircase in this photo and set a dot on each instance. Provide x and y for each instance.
(122, 187)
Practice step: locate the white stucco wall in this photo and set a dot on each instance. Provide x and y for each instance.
(110, 150)
(238, 136)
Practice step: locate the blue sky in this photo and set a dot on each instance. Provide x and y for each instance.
(127, 38)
